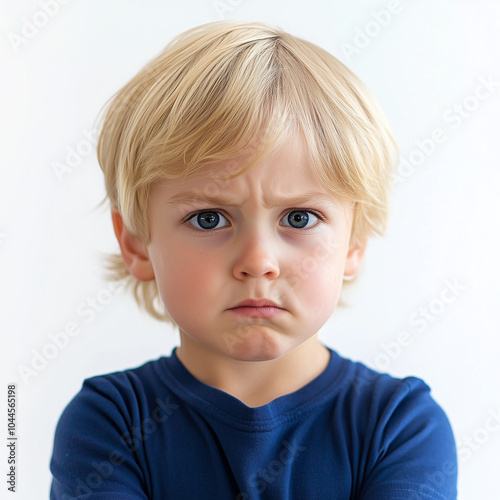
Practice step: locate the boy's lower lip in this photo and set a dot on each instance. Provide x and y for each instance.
(257, 312)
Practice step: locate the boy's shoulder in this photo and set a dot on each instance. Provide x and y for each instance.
(365, 391)
(127, 389)
(366, 414)
(352, 384)
(137, 376)
(361, 380)
(346, 376)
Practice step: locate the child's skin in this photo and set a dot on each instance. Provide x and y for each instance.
(253, 253)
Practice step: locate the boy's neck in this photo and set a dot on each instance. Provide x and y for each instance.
(255, 383)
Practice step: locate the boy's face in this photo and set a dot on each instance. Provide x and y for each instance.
(277, 235)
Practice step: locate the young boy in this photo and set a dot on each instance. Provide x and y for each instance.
(246, 169)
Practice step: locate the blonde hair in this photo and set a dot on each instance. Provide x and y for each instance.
(209, 94)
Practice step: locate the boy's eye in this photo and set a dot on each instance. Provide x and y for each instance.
(208, 220)
(299, 219)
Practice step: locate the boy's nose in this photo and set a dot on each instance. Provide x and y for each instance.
(256, 257)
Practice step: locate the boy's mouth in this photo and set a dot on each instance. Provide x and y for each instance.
(256, 303)
(252, 308)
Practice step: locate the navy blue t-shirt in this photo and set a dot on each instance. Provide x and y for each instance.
(156, 432)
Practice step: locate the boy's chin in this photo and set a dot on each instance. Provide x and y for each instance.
(253, 350)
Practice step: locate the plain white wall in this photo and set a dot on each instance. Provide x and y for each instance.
(424, 65)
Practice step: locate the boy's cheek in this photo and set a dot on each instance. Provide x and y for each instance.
(323, 290)
(312, 287)
(320, 263)
(189, 281)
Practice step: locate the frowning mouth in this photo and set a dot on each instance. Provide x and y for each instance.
(257, 312)
(251, 308)
(257, 303)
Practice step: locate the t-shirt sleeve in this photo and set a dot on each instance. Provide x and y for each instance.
(92, 457)
(413, 449)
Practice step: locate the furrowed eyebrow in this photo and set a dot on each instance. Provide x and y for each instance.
(305, 199)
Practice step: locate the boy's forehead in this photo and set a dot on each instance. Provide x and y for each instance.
(212, 186)
(290, 155)
(282, 176)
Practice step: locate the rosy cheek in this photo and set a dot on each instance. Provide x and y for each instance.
(188, 279)
(322, 285)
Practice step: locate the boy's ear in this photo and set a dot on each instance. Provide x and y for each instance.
(134, 251)
(354, 260)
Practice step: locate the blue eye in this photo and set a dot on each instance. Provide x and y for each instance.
(208, 220)
(299, 219)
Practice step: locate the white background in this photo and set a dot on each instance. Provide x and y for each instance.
(428, 58)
